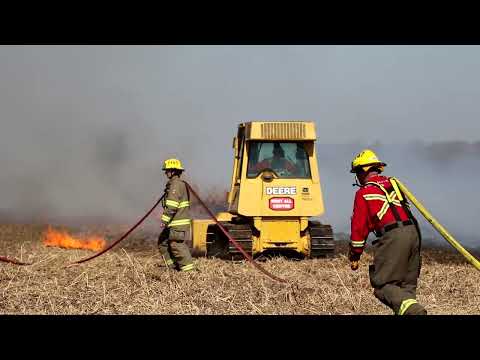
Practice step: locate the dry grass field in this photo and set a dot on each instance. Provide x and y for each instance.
(127, 280)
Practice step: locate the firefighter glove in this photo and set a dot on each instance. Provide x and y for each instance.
(353, 258)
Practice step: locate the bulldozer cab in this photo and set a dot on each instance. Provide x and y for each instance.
(275, 169)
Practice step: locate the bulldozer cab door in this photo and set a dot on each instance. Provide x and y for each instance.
(238, 146)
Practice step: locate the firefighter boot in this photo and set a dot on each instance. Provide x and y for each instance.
(415, 309)
(167, 263)
(182, 255)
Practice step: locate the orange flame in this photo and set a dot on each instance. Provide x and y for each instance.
(62, 239)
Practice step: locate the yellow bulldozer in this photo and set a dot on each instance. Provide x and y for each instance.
(274, 192)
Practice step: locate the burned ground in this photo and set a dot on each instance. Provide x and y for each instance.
(127, 280)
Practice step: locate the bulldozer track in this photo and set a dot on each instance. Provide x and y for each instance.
(322, 241)
(219, 246)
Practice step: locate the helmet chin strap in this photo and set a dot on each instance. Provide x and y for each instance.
(356, 179)
(356, 182)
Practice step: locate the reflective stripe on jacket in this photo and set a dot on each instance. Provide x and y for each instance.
(176, 205)
(371, 210)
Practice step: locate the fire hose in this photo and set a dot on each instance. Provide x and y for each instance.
(121, 238)
(248, 257)
(13, 261)
(446, 235)
(232, 240)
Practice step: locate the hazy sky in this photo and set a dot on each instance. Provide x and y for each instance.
(352, 92)
(84, 129)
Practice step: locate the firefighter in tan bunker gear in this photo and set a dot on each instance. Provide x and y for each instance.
(380, 207)
(176, 220)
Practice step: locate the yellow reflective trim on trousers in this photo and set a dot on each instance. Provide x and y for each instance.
(184, 204)
(358, 243)
(179, 222)
(166, 218)
(169, 262)
(188, 267)
(172, 203)
(405, 305)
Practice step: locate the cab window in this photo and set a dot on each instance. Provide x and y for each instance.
(286, 159)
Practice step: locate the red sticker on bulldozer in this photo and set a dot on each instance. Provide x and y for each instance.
(281, 203)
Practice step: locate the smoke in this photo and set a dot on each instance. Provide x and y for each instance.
(74, 147)
(72, 164)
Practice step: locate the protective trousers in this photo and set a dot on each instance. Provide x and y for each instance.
(395, 270)
(174, 250)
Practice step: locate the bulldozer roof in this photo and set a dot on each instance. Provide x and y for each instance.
(280, 130)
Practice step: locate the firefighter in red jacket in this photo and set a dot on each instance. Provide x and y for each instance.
(381, 208)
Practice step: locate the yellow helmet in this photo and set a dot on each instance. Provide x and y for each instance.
(366, 159)
(172, 164)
